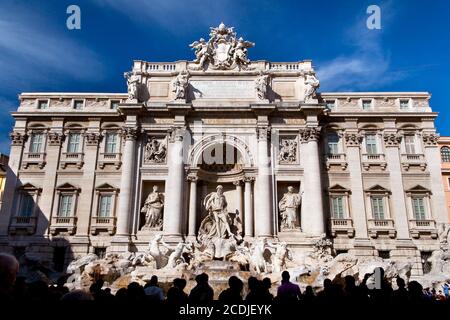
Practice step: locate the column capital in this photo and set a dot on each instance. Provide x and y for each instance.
(392, 139)
(430, 139)
(55, 138)
(18, 138)
(176, 134)
(353, 139)
(310, 134)
(248, 179)
(93, 138)
(192, 178)
(130, 133)
(263, 132)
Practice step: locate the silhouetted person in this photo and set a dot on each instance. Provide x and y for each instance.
(326, 295)
(288, 291)
(309, 295)
(254, 290)
(153, 291)
(9, 266)
(176, 294)
(77, 295)
(415, 292)
(122, 295)
(202, 292)
(232, 295)
(266, 297)
(135, 292)
(401, 294)
(382, 290)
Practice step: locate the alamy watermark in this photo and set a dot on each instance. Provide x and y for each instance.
(73, 21)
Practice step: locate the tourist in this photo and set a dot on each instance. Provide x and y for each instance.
(77, 295)
(266, 297)
(153, 291)
(202, 292)
(232, 295)
(9, 266)
(288, 291)
(445, 289)
(309, 296)
(176, 294)
(401, 294)
(135, 292)
(254, 290)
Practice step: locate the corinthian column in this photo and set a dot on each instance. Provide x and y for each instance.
(248, 213)
(172, 225)
(192, 205)
(126, 185)
(312, 215)
(263, 209)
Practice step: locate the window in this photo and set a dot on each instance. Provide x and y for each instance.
(377, 208)
(410, 145)
(42, 104)
(337, 205)
(426, 263)
(111, 143)
(371, 144)
(445, 154)
(385, 254)
(331, 104)
(404, 104)
(114, 104)
(333, 143)
(78, 104)
(105, 206)
(366, 104)
(27, 206)
(65, 205)
(36, 142)
(73, 144)
(59, 258)
(419, 208)
(100, 252)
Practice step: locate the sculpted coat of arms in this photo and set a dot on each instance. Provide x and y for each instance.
(223, 50)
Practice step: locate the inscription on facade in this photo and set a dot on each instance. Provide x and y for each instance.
(223, 89)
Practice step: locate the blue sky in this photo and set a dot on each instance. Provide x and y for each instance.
(39, 53)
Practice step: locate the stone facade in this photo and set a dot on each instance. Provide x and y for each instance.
(365, 166)
(444, 146)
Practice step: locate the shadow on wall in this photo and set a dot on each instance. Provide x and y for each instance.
(26, 235)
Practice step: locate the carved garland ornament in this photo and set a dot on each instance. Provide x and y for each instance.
(17, 138)
(392, 139)
(430, 139)
(353, 139)
(130, 133)
(310, 134)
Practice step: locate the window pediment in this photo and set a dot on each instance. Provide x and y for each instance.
(377, 189)
(106, 187)
(67, 187)
(337, 188)
(418, 189)
(28, 187)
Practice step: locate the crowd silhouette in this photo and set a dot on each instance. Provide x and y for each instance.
(347, 290)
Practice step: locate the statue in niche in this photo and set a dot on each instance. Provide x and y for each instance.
(217, 222)
(180, 85)
(288, 209)
(155, 151)
(153, 208)
(288, 151)
(261, 84)
(311, 86)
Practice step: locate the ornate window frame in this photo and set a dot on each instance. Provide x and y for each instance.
(99, 223)
(378, 190)
(76, 158)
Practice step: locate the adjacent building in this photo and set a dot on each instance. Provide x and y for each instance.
(444, 146)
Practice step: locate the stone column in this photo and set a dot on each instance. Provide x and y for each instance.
(192, 206)
(399, 214)
(263, 208)
(352, 141)
(126, 186)
(433, 160)
(248, 213)
(312, 215)
(240, 202)
(174, 186)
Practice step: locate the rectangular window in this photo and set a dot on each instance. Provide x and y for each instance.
(105, 206)
(410, 145)
(65, 206)
(100, 252)
(42, 104)
(419, 208)
(377, 208)
(331, 104)
(59, 258)
(73, 145)
(404, 104)
(366, 104)
(333, 143)
(36, 142)
(111, 143)
(371, 144)
(385, 254)
(114, 104)
(78, 104)
(337, 204)
(27, 206)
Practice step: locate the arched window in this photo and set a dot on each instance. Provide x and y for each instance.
(445, 154)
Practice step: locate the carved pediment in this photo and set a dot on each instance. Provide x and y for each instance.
(338, 188)
(67, 187)
(377, 189)
(106, 187)
(418, 189)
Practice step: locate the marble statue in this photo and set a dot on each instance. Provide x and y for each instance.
(176, 257)
(444, 233)
(311, 86)
(288, 209)
(153, 208)
(180, 85)
(133, 85)
(258, 262)
(261, 84)
(288, 151)
(155, 151)
(280, 256)
(156, 247)
(217, 222)
(223, 50)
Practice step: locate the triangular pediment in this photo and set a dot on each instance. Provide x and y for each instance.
(28, 186)
(418, 189)
(66, 186)
(338, 188)
(377, 188)
(105, 186)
